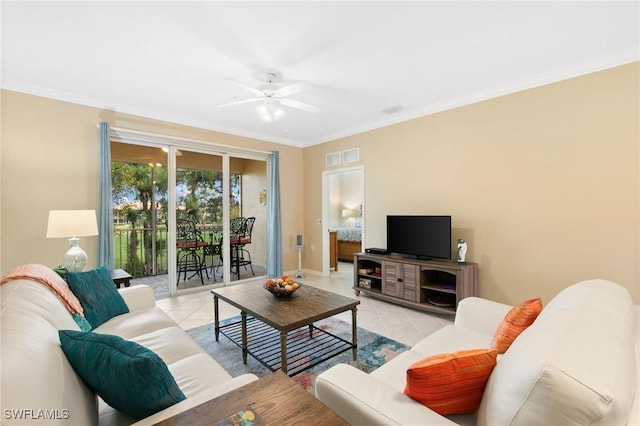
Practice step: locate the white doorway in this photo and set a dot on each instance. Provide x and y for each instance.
(343, 210)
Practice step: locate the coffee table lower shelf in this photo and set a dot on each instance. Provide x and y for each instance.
(307, 346)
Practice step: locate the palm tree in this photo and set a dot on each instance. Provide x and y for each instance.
(147, 184)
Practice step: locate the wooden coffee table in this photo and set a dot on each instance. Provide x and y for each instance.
(266, 322)
(274, 399)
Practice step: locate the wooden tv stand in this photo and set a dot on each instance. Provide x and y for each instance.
(428, 285)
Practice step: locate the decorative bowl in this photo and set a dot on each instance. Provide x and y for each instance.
(281, 287)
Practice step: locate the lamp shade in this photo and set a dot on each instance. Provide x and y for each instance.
(349, 213)
(72, 223)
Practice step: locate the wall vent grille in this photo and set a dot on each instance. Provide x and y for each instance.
(332, 159)
(351, 155)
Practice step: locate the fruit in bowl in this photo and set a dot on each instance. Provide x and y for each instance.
(281, 287)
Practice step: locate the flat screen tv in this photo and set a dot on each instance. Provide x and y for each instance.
(421, 237)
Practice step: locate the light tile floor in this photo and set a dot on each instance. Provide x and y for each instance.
(402, 324)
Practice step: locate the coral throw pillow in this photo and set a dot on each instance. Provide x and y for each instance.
(515, 322)
(451, 383)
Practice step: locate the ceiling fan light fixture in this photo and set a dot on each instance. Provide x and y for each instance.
(269, 111)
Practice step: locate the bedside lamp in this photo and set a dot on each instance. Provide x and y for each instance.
(73, 224)
(349, 216)
(349, 213)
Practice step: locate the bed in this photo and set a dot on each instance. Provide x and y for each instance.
(349, 242)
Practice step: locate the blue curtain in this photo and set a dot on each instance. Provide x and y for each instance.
(274, 227)
(105, 213)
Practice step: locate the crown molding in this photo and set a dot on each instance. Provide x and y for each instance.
(92, 103)
(576, 70)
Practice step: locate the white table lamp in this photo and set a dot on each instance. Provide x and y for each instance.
(73, 224)
(349, 213)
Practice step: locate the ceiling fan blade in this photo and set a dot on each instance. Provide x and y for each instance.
(299, 105)
(246, 87)
(243, 101)
(293, 89)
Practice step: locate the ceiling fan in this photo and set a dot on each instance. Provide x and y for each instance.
(270, 97)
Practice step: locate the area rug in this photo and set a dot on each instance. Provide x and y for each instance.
(373, 351)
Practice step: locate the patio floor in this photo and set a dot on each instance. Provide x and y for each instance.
(160, 283)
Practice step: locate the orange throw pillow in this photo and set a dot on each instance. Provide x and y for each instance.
(515, 322)
(451, 383)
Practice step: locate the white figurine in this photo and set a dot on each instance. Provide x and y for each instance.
(462, 250)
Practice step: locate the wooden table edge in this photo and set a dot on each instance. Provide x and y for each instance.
(265, 396)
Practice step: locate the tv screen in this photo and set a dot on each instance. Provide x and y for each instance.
(422, 237)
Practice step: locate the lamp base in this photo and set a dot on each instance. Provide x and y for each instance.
(299, 274)
(75, 258)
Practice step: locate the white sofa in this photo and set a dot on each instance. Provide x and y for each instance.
(577, 364)
(39, 386)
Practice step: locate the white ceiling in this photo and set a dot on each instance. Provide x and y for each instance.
(172, 60)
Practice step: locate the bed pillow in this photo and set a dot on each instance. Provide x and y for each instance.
(515, 322)
(98, 295)
(126, 375)
(451, 383)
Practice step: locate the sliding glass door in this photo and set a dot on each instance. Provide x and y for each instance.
(139, 179)
(200, 215)
(188, 218)
(248, 251)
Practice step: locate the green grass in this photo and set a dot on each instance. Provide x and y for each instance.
(135, 267)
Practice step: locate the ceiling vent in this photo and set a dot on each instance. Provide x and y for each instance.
(393, 109)
(351, 155)
(332, 159)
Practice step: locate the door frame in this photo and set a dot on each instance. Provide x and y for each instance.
(173, 144)
(326, 195)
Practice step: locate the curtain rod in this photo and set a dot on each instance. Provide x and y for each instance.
(157, 137)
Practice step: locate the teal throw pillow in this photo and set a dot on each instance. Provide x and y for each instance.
(126, 375)
(97, 294)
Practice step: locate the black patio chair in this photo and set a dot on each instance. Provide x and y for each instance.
(241, 229)
(190, 246)
(214, 250)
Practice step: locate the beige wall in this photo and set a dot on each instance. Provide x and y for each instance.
(543, 184)
(50, 160)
